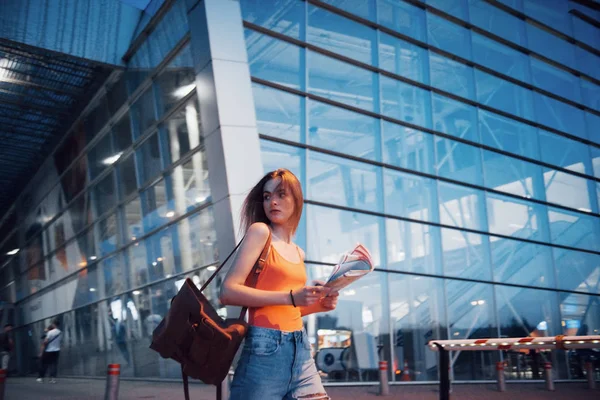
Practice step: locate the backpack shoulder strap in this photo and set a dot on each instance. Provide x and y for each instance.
(257, 269)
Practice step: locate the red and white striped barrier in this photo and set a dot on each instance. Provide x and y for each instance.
(551, 342)
(112, 382)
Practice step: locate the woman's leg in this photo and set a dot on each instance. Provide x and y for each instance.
(306, 381)
(43, 365)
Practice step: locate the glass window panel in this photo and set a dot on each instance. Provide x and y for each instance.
(522, 263)
(162, 260)
(343, 182)
(176, 80)
(122, 134)
(332, 232)
(550, 46)
(202, 239)
(454, 118)
(275, 155)
(508, 135)
(500, 57)
(286, 18)
(448, 36)
(587, 62)
(403, 58)
(155, 207)
(275, 60)
(148, 155)
(458, 161)
(181, 131)
(106, 234)
(341, 35)
(96, 118)
(137, 258)
(586, 33)
(461, 206)
(190, 183)
(117, 95)
(413, 247)
(407, 147)
(595, 155)
(405, 102)
(511, 175)
(527, 312)
(592, 122)
(567, 190)
(492, 19)
(580, 314)
(552, 79)
(100, 157)
(402, 17)
(133, 219)
(451, 76)
(279, 114)
(559, 115)
(457, 8)
(590, 93)
(113, 271)
(342, 82)
(362, 8)
(127, 179)
(516, 218)
(576, 270)
(337, 129)
(466, 255)
(503, 95)
(574, 229)
(554, 13)
(143, 113)
(104, 195)
(87, 245)
(409, 196)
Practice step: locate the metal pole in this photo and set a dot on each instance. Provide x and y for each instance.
(589, 370)
(548, 375)
(500, 376)
(112, 382)
(444, 372)
(2, 383)
(384, 388)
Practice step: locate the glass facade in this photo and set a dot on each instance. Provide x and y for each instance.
(448, 137)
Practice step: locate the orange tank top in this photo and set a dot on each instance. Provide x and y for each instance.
(279, 274)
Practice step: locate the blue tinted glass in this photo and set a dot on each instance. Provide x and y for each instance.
(412, 247)
(586, 33)
(521, 263)
(341, 35)
(590, 93)
(587, 62)
(343, 182)
(592, 122)
(454, 118)
(286, 18)
(409, 196)
(337, 129)
(567, 190)
(501, 58)
(563, 152)
(276, 155)
(559, 115)
(577, 270)
(508, 135)
(278, 113)
(458, 8)
(339, 81)
(362, 8)
(516, 4)
(405, 102)
(511, 175)
(407, 147)
(403, 58)
(555, 80)
(574, 229)
(448, 36)
(595, 155)
(461, 206)
(554, 13)
(451, 76)
(466, 255)
(503, 95)
(516, 218)
(402, 17)
(498, 22)
(458, 161)
(274, 60)
(550, 46)
(471, 315)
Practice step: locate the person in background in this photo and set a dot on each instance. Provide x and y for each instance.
(50, 353)
(6, 345)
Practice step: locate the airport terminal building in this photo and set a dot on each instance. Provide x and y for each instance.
(458, 140)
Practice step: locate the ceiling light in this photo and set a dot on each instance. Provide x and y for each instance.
(93, 258)
(211, 268)
(170, 214)
(200, 199)
(112, 159)
(136, 292)
(92, 289)
(184, 90)
(154, 263)
(13, 252)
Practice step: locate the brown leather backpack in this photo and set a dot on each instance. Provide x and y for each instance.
(194, 335)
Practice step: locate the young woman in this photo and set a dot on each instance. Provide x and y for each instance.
(276, 362)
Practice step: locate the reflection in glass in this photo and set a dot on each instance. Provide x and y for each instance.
(504, 96)
(508, 135)
(466, 255)
(122, 134)
(511, 175)
(454, 118)
(511, 217)
(190, 183)
(577, 271)
(403, 58)
(567, 190)
(402, 17)
(407, 148)
(287, 18)
(493, 19)
(279, 114)
(458, 161)
(133, 218)
(176, 80)
(111, 273)
(106, 234)
(143, 113)
(413, 247)
(126, 173)
(451, 76)
(555, 80)
(183, 130)
(405, 102)
(500, 57)
(104, 195)
(574, 229)
(409, 196)
(448, 36)
(461, 207)
(148, 155)
(155, 207)
(275, 155)
(559, 115)
(101, 156)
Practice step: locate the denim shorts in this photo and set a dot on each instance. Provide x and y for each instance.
(276, 365)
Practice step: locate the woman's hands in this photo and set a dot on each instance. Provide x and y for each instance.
(309, 295)
(330, 301)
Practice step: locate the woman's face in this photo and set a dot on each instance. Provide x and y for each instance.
(278, 202)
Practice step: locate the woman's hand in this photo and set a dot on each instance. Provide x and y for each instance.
(330, 301)
(309, 295)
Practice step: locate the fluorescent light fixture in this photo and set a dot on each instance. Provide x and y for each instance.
(136, 292)
(112, 159)
(584, 209)
(93, 258)
(481, 302)
(170, 214)
(155, 263)
(159, 259)
(200, 199)
(169, 275)
(182, 91)
(13, 252)
(92, 289)
(211, 268)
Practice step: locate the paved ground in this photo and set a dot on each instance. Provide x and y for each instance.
(93, 389)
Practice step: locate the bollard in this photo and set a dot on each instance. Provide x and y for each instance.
(548, 375)
(2, 382)
(384, 388)
(589, 370)
(112, 382)
(500, 376)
